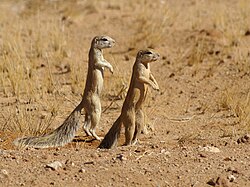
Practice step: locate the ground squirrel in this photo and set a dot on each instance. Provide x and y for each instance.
(90, 102)
(132, 115)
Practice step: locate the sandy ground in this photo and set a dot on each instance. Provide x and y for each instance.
(195, 137)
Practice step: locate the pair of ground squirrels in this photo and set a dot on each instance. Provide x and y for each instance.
(132, 115)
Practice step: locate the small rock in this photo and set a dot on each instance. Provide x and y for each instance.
(154, 146)
(244, 139)
(54, 165)
(222, 182)
(228, 159)
(69, 163)
(171, 75)
(210, 149)
(52, 183)
(126, 57)
(90, 162)
(231, 178)
(202, 155)
(121, 157)
(176, 165)
(211, 182)
(247, 33)
(165, 152)
(232, 169)
(3, 173)
(219, 182)
(82, 170)
(56, 154)
(140, 150)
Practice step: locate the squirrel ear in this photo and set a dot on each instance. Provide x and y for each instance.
(139, 53)
(96, 39)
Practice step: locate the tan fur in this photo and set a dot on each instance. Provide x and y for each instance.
(132, 115)
(90, 102)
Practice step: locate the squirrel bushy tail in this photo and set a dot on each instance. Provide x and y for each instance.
(59, 137)
(111, 138)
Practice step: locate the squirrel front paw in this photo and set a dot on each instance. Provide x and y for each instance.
(156, 88)
(111, 69)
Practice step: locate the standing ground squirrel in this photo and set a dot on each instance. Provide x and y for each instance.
(132, 115)
(90, 102)
(92, 93)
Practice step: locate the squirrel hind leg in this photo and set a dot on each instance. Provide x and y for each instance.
(95, 119)
(92, 131)
(86, 125)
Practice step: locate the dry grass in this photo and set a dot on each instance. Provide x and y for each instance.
(238, 103)
(31, 50)
(151, 26)
(24, 50)
(26, 119)
(38, 64)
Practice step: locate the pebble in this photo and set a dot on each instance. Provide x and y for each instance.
(82, 170)
(121, 157)
(69, 163)
(164, 151)
(232, 169)
(56, 154)
(54, 165)
(244, 139)
(231, 178)
(139, 150)
(4, 172)
(222, 182)
(126, 57)
(219, 182)
(89, 163)
(210, 149)
(202, 155)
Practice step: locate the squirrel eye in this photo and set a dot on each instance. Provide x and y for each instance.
(148, 53)
(104, 39)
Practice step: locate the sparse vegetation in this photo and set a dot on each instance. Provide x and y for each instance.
(204, 97)
(238, 103)
(151, 26)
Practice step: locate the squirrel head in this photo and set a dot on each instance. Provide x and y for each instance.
(147, 56)
(102, 42)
